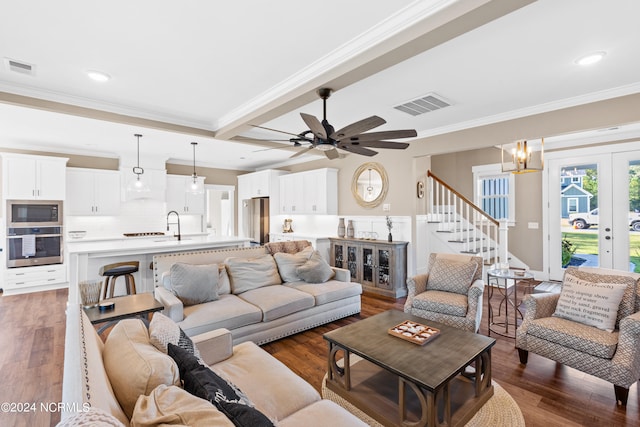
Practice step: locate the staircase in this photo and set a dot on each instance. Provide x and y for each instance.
(457, 225)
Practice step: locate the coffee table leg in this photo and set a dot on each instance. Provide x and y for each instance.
(483, 372)
(428, 405)
(339, 374)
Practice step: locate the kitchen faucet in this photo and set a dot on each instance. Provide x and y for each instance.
(177, 216)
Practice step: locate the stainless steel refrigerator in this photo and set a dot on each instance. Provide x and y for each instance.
(255, 219)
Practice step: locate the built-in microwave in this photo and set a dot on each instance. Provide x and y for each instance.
(34, 213)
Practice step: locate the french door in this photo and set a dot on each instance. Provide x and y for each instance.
(593, 198)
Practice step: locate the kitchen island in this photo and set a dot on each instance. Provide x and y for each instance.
(84, 258)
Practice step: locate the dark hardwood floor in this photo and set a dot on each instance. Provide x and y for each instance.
(549, 394)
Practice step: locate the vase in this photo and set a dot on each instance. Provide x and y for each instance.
(341, 227)
(390, 238)
(350, 231)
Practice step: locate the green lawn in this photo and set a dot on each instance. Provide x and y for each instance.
(587, 243)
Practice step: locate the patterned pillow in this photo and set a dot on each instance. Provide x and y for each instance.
(590, 303)
(290, 247)
(163, 331)
(315, 270)
(194, 284)
(451, 276)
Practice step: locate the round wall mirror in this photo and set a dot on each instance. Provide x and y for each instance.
(370, 184)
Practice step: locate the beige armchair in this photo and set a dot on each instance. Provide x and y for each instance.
(612, 356)
(450, 292)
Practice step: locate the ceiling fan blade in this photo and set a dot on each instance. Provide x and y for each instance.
(359, 150)
(358, 127)
(250, 139)
(314, 125)
(377, 136)
(332, 154)
(301, 152)
(275, 130)
(378, 144)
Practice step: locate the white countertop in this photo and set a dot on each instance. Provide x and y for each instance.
(150, 245)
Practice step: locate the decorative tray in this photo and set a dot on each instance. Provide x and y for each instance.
(417, 333)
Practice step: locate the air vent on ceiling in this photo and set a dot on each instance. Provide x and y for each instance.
(425, 104)
(20, 67)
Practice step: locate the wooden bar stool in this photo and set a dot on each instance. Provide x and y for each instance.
(112, 271)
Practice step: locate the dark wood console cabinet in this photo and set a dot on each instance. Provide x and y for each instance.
(381, 267)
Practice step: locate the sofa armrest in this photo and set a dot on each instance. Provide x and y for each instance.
(540, 305)
(415, 285)
(173, 308)
(474, 302)
(342, 274)
(627, 357)
(214, 346)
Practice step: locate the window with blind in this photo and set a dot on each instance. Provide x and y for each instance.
(494, 192)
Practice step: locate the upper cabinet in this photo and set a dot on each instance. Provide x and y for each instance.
(92, 192)
(259, 184)
(180, 199)
(310, 192)
(33, 177)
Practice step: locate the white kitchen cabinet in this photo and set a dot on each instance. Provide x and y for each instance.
(179, 198)
(29, 177)
(312, 192)
(259, 184)
(92, 192)
(37, 278)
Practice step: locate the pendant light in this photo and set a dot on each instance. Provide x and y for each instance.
(196, 186)
(138, 186)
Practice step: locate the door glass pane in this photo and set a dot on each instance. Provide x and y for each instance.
(383, 268)
(579, 215)
(634, 216)
(367, 265)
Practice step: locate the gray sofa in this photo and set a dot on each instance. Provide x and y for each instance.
(251, 310)
(128, 379)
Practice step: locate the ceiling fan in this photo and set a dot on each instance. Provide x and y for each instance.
(322, 136)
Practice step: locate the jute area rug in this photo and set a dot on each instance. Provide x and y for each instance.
(499, 411)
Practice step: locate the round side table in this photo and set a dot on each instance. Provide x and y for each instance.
(505, 282)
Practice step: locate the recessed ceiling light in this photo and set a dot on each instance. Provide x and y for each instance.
(591, 58)
(98, 76)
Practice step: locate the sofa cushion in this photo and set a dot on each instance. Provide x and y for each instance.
(286, 393)
(252, 273)
(171, 405)
(229, 311)
(442, 302)
(574, 335)
(289, 263)
(194, 284)
(92, 416)
(133, 365)
(201, 381)
(590, 303)
(332, 290)
(278, 301)
(315, 270)
(317, 414)
(163, 331)
(451, 276)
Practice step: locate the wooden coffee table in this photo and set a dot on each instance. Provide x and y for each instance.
(377, 384)
(138, 305)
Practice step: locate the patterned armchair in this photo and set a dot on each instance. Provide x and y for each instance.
(613, 356)
(450, 292)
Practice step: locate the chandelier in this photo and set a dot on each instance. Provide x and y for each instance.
(523, 156)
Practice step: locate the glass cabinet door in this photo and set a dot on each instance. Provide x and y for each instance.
(338, 256)
(384, 268)
(368, 265)
(352, 262)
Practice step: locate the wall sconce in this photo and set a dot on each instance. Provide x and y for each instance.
(523, 156)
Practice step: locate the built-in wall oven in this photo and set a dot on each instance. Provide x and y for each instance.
(34, 233)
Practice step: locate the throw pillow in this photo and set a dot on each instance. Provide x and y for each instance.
(92, 417)
(451, 276)
(171, 405)
(289, 263)
(315, 270)
(590, 303)
(201, 381)
(194, 284)
(133, 365)
(163, 331)
(252, 273)
(290, 247)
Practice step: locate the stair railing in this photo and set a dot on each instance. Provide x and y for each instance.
(476, 229)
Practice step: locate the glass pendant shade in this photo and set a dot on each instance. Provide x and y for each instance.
(196, 186)
(137, 185)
